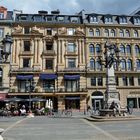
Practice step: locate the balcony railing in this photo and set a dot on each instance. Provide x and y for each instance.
(59, 90)
(72, 70)
(48, 52)
(25, 69)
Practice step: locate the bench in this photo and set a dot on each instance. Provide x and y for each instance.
(110, 112)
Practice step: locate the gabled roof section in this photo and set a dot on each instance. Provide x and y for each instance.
(136, 12)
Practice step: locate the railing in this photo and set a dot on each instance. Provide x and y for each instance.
(25, 69)
(49, 52)
(72, 70)
(59, 90)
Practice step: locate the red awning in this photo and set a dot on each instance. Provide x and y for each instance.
(2, 96)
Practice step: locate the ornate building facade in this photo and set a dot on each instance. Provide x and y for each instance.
(59, 53)
(5, 28)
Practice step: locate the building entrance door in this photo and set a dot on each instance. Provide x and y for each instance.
(97, 104)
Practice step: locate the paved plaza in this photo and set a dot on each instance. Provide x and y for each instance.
(75, 128)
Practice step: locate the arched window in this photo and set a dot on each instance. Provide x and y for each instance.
(97, 32)
(127, 33)
(113, 33)
(106, 32)
(92, 63)
(1, 74)
(137, 50)
(138, 64)
(91, 33)
(122, 49)
(129, 64)
(121, 33)
(135, 33)
(91, 49)
(98, 65)
(128, 49)
(123, 64)
(98, 49)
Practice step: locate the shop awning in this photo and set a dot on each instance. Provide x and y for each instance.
(71, 77)
(45, 76)
(24, 77)
(72, 98)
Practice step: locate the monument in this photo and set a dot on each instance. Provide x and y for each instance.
(108, 60)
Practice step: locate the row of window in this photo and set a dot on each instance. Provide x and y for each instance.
(49, 18)
(49, 85)
(95, 49)
(49, 63)
(112, 33)
(126, 81)
(109, 19)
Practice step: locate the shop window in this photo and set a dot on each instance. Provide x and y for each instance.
(49, 85)
(132, 102)
(72, 85)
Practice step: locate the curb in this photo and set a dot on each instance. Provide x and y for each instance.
(111, 119)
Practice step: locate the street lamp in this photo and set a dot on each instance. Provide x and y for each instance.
(6, 47)
(107, 59)
(30, 86)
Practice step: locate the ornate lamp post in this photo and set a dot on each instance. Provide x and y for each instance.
(6, 47)
(30, 86)
(107, 59)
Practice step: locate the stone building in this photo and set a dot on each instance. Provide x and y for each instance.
(59, 54)
(49, 50)
(5, 28)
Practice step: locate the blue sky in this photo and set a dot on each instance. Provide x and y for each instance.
(73, 6)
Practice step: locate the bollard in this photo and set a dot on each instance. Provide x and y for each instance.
(1, 130)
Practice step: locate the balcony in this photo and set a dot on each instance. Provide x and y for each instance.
(72, 70)
(49, 52)
(25, 70)
(59, 90)
(26, 53)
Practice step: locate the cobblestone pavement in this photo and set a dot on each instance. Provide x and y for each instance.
(44, 128)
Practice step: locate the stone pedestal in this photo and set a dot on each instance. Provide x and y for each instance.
(111, 92)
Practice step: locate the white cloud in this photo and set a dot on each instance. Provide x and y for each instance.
(73, 6)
